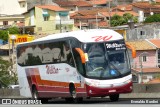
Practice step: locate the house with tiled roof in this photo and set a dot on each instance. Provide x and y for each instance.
(147, 59)
(98, 3)
(75, 5)
(146, 75)
(157, 1)
(125, 7)
(89, 18)
(98, 16)
(107, 14)
(156, 43)
(11, 12)
(146, 8)
(48, 19)
(154, 81)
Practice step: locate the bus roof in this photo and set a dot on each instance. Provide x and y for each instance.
(92, 35)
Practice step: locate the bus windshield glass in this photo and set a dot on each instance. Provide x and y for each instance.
(106, 60)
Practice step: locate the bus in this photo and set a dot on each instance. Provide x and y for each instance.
(75, 65)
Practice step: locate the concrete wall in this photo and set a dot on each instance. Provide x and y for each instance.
(146, 88)
(10, 93)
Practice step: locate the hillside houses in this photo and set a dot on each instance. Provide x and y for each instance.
(89, 14)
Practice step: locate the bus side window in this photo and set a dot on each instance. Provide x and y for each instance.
(78, 62)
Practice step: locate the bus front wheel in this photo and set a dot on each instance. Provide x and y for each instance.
(72, 90)
(34, 93)
(114, 97)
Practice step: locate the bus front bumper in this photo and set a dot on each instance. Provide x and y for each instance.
(101, 92)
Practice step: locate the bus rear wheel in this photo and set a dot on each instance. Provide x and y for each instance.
(35, 93)
(35, 96)
(114, 97)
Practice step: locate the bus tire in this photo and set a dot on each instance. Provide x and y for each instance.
(72, 90)
(114, 97)
(35, 95)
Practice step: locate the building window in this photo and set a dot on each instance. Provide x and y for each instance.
(23, 5)
(5, 22)
(46, 18)
(45, 14)
(142, 33)
(144, 58)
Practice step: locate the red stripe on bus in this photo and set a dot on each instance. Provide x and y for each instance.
(33, 73)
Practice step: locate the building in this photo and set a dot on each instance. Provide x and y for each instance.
(48, 19)
(11, 12)
(147, 60)
(145, 75)
(144, 31)
(74, 5)
(146, 9)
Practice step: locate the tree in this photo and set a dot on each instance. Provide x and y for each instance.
(152, 18)
(128, 16)
(13, 30)
(117, 20)
(5, 76)
(4, 33)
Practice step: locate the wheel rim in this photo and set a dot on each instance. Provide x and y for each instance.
(74, 94)
(35, 95)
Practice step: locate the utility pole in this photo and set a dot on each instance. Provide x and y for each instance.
(96, 21)
(141, 65)
(60, 26)
(109, 14)
(141, 68)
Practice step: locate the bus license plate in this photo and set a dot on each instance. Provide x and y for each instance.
(111, 91)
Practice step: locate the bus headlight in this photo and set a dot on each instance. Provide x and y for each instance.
(128, 81)
(90, 84)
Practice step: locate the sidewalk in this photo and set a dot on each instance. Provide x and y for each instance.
(140, 95)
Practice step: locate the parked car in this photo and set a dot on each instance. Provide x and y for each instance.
(13, 86)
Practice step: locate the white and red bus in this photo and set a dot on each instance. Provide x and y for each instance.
(75, 65)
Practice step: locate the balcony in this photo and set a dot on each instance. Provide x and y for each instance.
(66, 22)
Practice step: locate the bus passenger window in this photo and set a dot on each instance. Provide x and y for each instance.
(65, 52)
(56, 54)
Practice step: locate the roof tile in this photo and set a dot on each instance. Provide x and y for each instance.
(118, 13)
(142, 45)
(98, 2)
(145, 5)
(156, 42)
(123, 7)
(147, 70)
(52, 7)
(154, 81)
(73, 3)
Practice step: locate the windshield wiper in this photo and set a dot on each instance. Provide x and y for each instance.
(116, 69)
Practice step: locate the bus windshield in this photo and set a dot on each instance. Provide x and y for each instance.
(107, 60)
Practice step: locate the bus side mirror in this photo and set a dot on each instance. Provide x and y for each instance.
(81, 53)
(132, 49)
